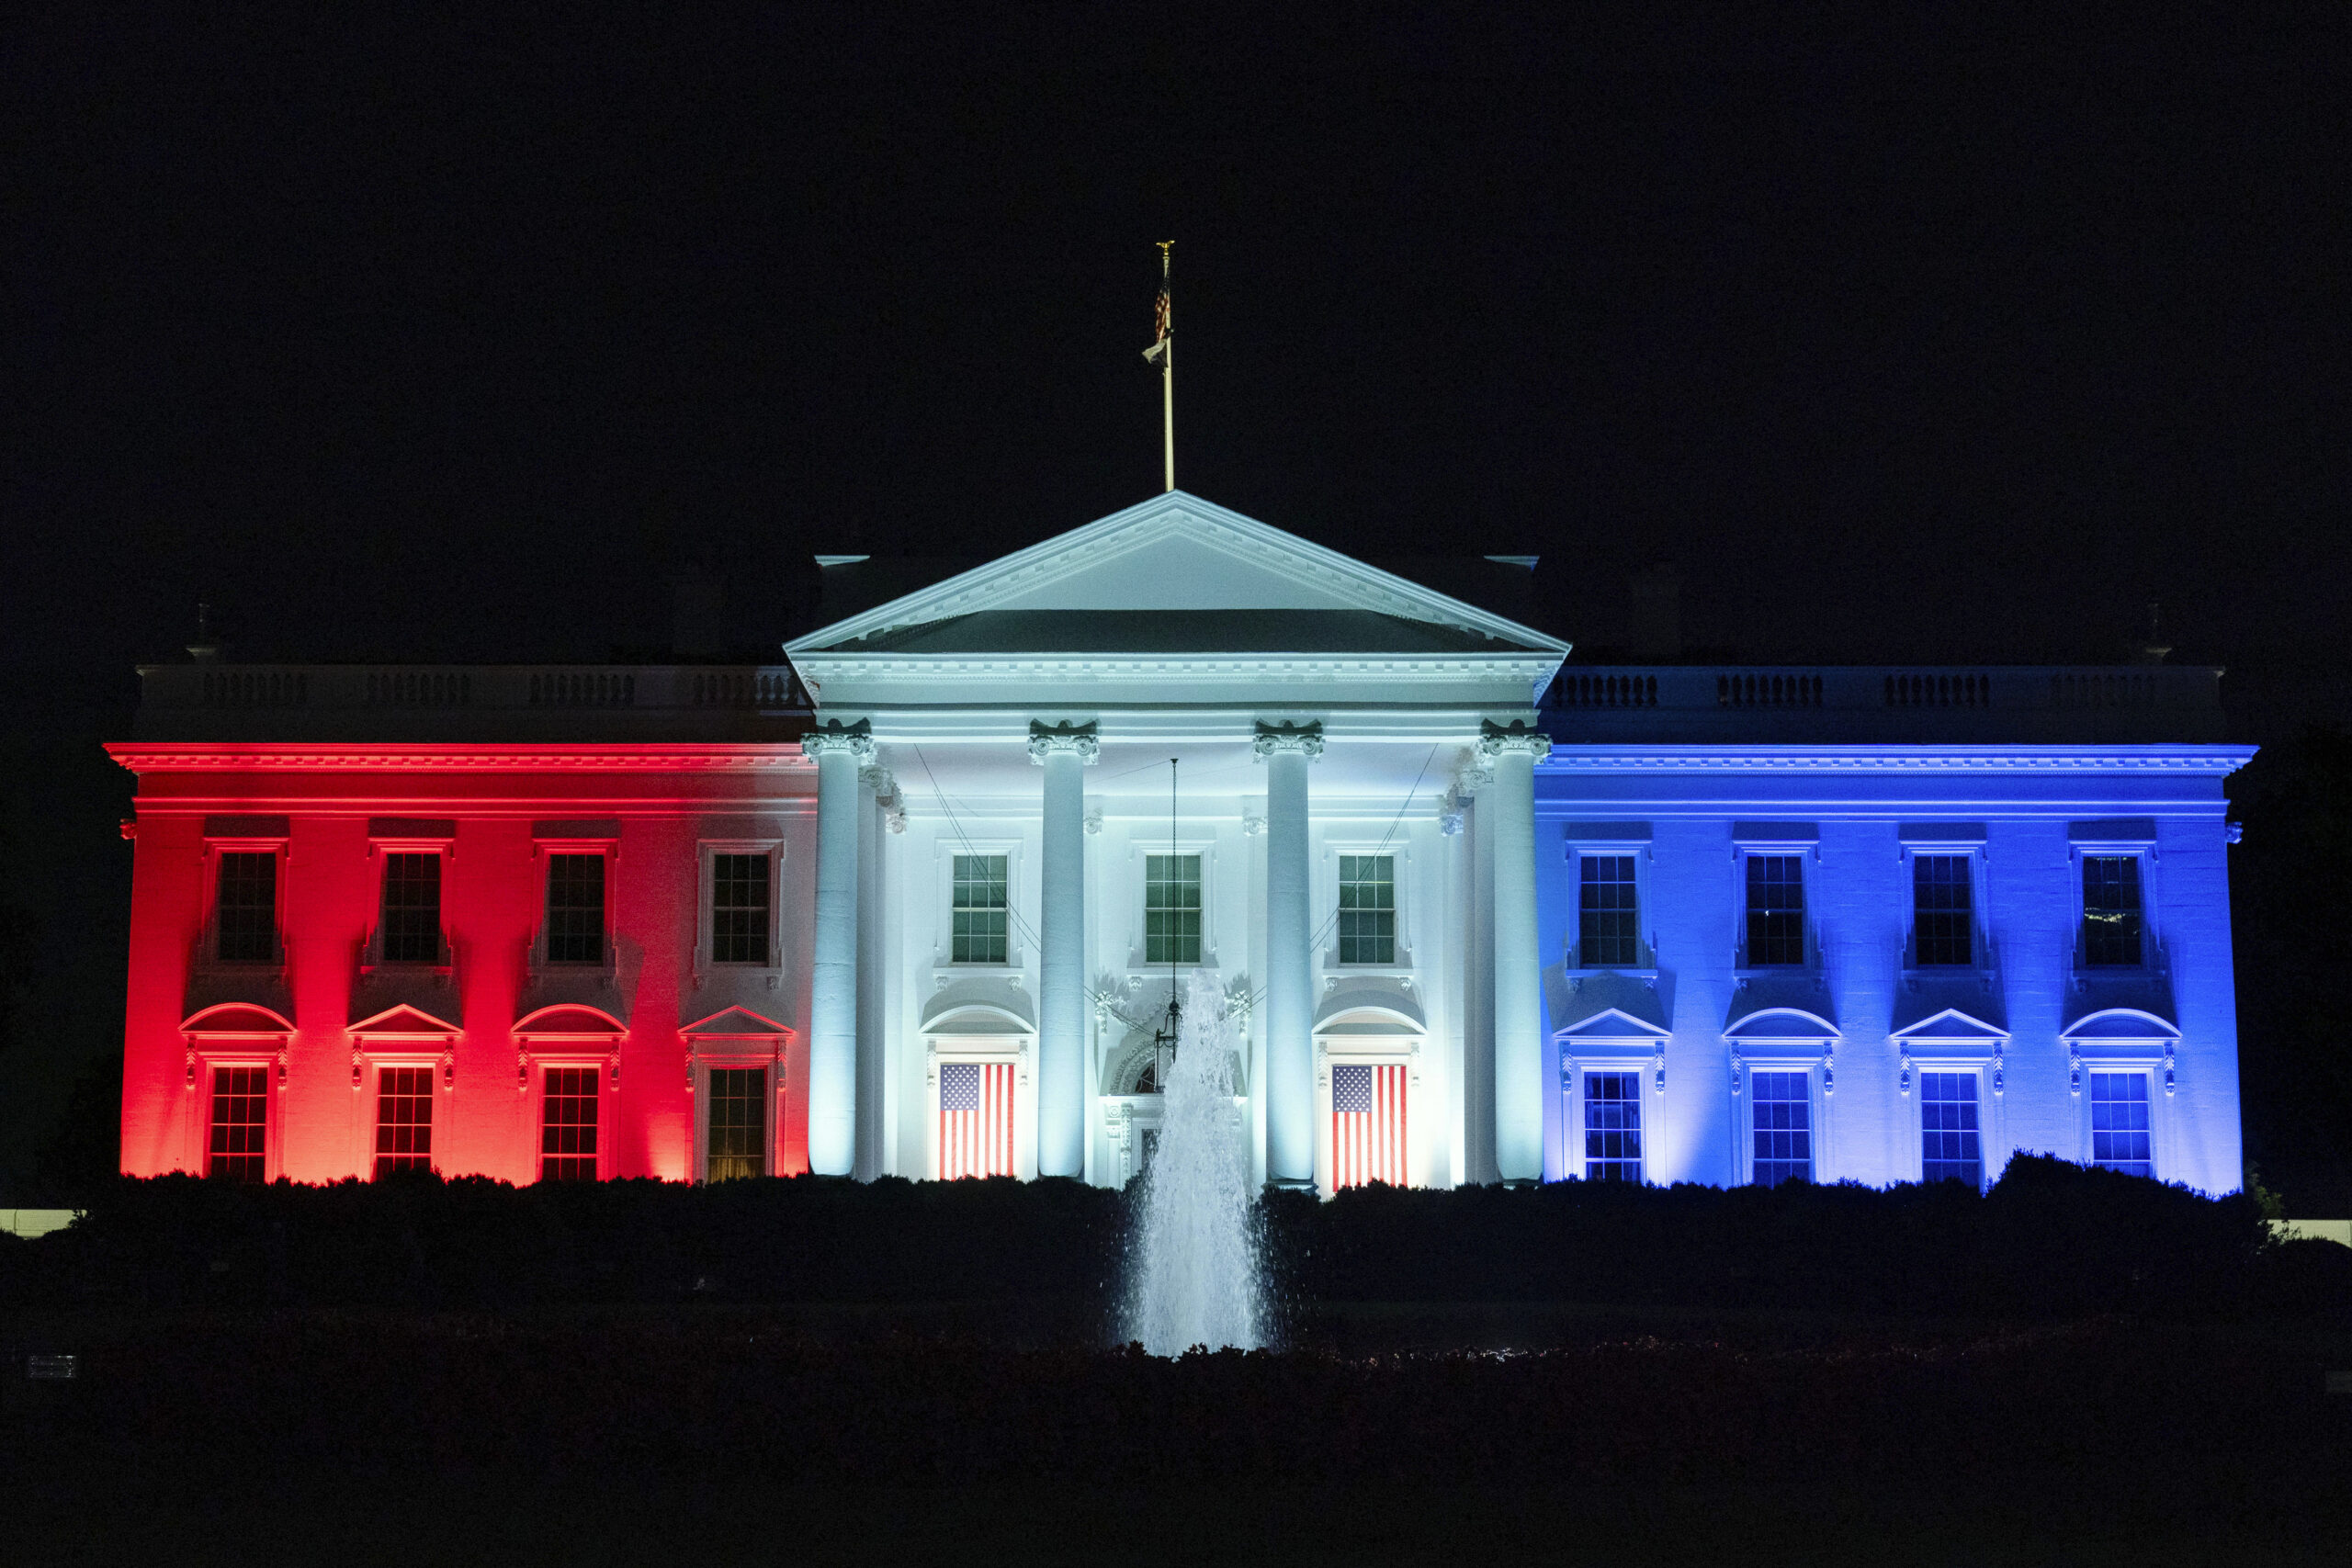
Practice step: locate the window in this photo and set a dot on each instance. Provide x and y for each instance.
(739, 1123)
(403, 1119)
(2119, 1123)
(739, 908)
(1607, 915)
(2112, 911)
(1949, 1150)
(981, 911)
(1367, 908)
(1943, 928)
(1613, 1127)
(1783, 1128)
(1171, 909)
(567, 1126)
(575, 908)
(244, 907)
(1775, 910)
(240, 1121)
(412, 928)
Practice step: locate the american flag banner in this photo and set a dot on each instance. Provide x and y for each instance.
(1367, 1125)
(975, 1119)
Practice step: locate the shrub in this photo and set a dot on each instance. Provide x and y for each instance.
(2050, 1240)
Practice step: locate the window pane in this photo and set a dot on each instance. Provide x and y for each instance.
(567, 1126)
(1942, 923)
(1613, 1127)
(412, 910)
(2119, 1123)
(982, 912)
(739, 908)
(1947, 1132)
(1606, 916)
(403, 1119)
(1775, 909)
(1172, 909)
(1783, 1127)
(739, 1123)
(245, 907)
(2112, 910)
(575, 908)
(239, 1123)
(1367, 908)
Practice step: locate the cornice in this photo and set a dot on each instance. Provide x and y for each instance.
(140, 757)
(933, 668)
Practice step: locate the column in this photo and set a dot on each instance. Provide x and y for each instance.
(839, 750)
(1513, 754)
(1287, 748)
(1063, 751)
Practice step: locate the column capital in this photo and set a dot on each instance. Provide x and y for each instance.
(887, 794)
(1078, 741)
(836, 738)
(1305, 739)
(1518, 736)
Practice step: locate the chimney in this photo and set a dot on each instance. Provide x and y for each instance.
(697, 615)
(206, 648)
(1654, 614)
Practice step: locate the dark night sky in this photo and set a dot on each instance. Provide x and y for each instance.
(452, 341)
(439, 339)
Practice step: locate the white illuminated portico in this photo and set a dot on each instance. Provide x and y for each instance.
(1323, 718)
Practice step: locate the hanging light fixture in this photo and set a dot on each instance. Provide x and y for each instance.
(1163, 1039)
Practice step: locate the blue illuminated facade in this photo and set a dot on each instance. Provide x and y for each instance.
(2000, 924)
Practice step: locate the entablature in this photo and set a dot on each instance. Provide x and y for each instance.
(871, 682)
(237, 756)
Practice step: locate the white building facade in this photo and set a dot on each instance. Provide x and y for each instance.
(915, 905)
(1871, 941)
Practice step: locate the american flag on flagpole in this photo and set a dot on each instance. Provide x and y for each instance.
(975, 1119)
(1367, 1125)
(1159, 348)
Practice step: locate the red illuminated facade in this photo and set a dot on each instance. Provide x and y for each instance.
(400, 942)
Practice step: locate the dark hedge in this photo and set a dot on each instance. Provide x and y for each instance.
(2050, 1240)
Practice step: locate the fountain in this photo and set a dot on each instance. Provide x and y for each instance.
(1196, 1274)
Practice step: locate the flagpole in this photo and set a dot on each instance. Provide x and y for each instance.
(1168, 370)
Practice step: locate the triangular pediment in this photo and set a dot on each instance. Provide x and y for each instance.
(1176, 575)
(1613, 1023)
(1950, 1024)
(735, 1020)
(1606, 1006)
(402, 1018)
